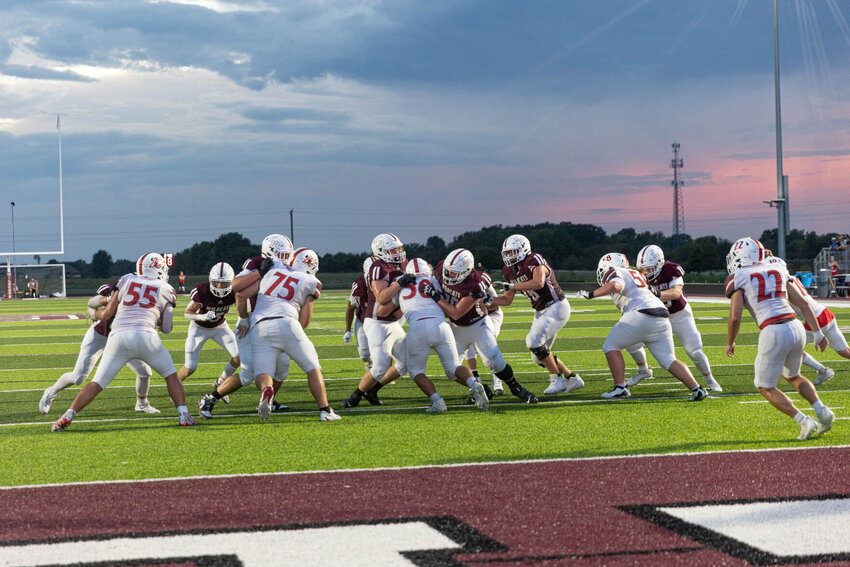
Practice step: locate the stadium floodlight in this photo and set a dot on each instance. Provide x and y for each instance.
(10, 279)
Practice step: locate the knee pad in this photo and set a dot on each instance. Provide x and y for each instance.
(506, 373)
(540, 352)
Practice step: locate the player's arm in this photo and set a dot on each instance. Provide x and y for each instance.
(166, 320)
(349, 316)
(111, 307)
(192, 314)
(242, 281)
(243, 325)
(505, 299)
(797, 299)
(733, 325)
(458, 310)
(384, 291)
(306, 313)
(671, 294)
(615, 285)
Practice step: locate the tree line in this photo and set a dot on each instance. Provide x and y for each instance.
(567, 246)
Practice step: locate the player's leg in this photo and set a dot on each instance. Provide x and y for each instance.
(195, 339)
(90, 350)
(418, 348)
(484, 339)
(143, 382)
(791, 373)
(362, 344)
(302, 351)
(541, 338)
(659, 341)
(643, 372)
(623, 335)
(149, 348)
(685, 327)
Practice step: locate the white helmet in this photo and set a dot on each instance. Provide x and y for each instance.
(277, 247)
(367, 263)
(388, 247)
(306, 261)
(419, 268)
(515, 248)
(607, 263)
(745, 252)
(457, 266)
(650, 260)
(152, 266)
(776, 261)
(221, 279)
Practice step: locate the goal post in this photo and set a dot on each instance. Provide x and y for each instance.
(49, 280)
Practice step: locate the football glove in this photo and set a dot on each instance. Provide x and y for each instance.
(584, 294)
(347, 336)
(431, 291)
(406, 280)
(503, 286)
(210, 316)
(265, 266)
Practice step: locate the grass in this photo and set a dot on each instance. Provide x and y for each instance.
(110, 441)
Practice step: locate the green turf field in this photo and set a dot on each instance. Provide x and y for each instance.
(108, 440)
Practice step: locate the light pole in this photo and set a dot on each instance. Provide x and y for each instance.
(14, 274)
(781, 181)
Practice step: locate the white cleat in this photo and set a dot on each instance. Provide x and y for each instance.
(574, 383)
(498, 388)
(617, 392)
(145, 406)
(825, 418)
(438, 406)
(480, 396)
(328, 416)
(824, 375)
(557, 384)
(634, 379)
(808, 428)
(265, 407)
(713, 384)
(46, 399)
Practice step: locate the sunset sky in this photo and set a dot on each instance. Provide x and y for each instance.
(184, 119)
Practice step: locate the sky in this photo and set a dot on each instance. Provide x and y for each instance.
(185, 119)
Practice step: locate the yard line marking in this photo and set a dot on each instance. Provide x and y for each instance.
(428, 467)
(754, 402)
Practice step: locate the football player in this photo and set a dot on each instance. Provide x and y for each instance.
(211, 300)
(355, 313)
(427, 329)
(826, 320)
(284, 308)
(666, 282)
(143, 302)
(528, 273)
(467, 297)
(274, 247)
(763, 289)
(494, 312)
(383, 332)
(91, 350)
(644, 319)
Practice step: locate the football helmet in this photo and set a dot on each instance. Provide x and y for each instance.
(457, 266)
(745, 252)
(607, 262)
(306, 261)
(418, 267)
(367, 263)
(776, 261)
(277, 247)
(152, 266)
(388, 247)
(515, 248)
(221, 279)
(650, 260)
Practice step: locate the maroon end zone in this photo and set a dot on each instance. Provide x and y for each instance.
(593, 511)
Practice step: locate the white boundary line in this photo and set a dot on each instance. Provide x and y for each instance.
(423, 467)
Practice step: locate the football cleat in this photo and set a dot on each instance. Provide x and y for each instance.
(61, 424)
(480, 396)
(145, 406)
(46, 399)
(808, 428)
(634, 379)
(216, 384)
(557, 384)
(265, 407)
(372, 397)
(438, 406)
(825, 419)
(186, 420)
(279, 408)
(498, 388)
(574, 382)
(328, 416)
(698, 394)
(205, 405)
(353, 400)
(526, 396)
(713, 384)
(823, 376)
(617, 392)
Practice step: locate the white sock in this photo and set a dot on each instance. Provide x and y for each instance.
(182, 410)
(818, 406)
(470, 381)
(800, 417)
(69, 415)
(65, 381)
(435, 397)
(810, 361)
(228, 371)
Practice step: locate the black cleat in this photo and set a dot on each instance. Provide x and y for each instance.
(279, 408)
(353, 400)
(205, 405)
(526, 396)
(372, 397)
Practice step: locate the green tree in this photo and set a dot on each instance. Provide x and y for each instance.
(101, 264)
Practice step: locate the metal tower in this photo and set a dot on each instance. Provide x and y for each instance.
(678, 206)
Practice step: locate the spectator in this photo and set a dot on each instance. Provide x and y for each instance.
(833, 244)
(836, 279)
(32, 287)
(844, 243)
(182, 280)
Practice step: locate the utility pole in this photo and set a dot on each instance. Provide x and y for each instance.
(291, 226)
(781, 180)
(678, 205)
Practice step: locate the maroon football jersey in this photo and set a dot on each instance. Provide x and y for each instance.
(252, 264)
(210, 302)
(103, 327)
(360, 293)
(488, 282)
(379, 270)
(542, 298)
(474, 283)
(670, 271)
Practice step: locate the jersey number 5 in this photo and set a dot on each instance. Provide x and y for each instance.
(150, 293)
(285, 281)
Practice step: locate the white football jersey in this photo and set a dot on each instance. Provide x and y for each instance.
(141, 302)
(416, 305)
(283, 292)
(765, 291)
(635, 294)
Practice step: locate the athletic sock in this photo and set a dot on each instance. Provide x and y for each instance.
(435, 397)
(800, 417)
(818, 406)
(377, 387)
(326, 409)
(475, 374)
(69, 415)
